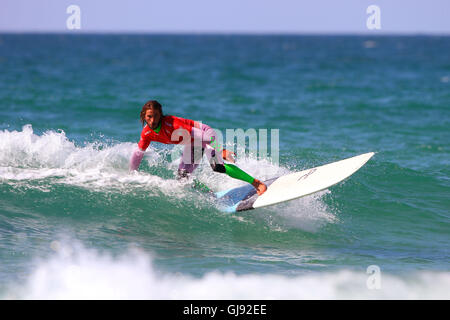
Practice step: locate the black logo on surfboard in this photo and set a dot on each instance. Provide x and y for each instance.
(306, 175)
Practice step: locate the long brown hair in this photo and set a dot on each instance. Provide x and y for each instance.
(152, 104)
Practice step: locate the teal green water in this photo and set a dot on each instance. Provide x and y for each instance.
(69, 109)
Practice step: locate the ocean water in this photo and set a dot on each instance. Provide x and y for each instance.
(74, 223)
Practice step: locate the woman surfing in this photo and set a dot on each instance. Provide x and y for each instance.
(195, 136)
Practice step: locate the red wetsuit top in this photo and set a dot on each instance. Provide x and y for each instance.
(168, 125)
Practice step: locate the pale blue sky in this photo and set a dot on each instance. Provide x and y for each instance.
(227, 16)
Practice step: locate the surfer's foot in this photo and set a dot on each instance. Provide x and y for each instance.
(259, 186)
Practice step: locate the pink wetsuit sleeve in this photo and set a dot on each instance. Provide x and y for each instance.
(136, 159)
(138, 154)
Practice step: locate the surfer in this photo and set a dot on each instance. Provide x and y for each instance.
(169, 129)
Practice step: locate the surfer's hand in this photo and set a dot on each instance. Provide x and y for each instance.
(228, 155)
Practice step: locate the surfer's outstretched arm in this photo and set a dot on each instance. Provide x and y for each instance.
(136, 159)
(138, 154)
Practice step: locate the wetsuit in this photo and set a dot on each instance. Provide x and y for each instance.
(196, 137)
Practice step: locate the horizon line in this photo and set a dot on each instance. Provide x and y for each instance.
(226, 33)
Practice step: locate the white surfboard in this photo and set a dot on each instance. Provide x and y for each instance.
(291, 186)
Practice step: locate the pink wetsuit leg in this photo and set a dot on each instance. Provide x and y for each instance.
(191, 158)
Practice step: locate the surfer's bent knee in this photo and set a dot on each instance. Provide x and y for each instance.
(217, 167)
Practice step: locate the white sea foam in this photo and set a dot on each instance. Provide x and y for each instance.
(308, 213)
(79, 273)
(51, 158)
(25, 155)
